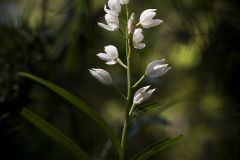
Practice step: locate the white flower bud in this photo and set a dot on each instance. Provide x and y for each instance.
(142, 95)
(101, 75)
(110, 56)
(137, 39)
(146, 18)
(157, 68)
(124, 1)
(131, 23)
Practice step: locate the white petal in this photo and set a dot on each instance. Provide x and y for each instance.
(115, 6)
(112, 21)
(142, 95)
(104, 56)
(139, 46)
(137, 36)
(145, 14)
(151, 23)
(111, 62)
(149, 93)
(109, 28)
(111, 51)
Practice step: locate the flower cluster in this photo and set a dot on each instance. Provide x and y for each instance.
(134, 36)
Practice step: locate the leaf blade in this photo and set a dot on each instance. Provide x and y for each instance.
(79, 104)
(155, 148)
(54, 134)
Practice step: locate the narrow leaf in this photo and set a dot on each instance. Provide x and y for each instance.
(150, 106)
(54, 134)
(154, 149)
(80, 105)
(141, 110)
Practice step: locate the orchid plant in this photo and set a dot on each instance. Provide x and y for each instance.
(133, 37)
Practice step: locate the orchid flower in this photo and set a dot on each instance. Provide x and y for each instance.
(157, 68)
(110, 56)
(146, 19)
(142, 95)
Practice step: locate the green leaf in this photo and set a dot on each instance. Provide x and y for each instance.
(148, 107)
(80, 105)
(145, 108)
(154, 149)
(54, 134)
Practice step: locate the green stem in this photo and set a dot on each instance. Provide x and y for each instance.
(128, 56)
(121, 63)
(131, 110)
(139, 81)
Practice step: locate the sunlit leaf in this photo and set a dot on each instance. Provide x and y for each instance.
(154, 149)
(54, 134)
(79, 104)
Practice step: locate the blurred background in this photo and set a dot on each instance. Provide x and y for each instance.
(58, 40)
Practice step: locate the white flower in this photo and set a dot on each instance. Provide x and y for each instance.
(137, 39)
(157, 68)
(110, 56)
(112, 22)
(124, 1)
(101, 75)
(146, 18)
(111, 16)
(131, 23)
(142, 95)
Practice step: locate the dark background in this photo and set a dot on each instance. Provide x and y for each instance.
(58, 40)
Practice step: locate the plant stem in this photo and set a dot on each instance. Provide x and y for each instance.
(139, 81)
(128, 56)
(131, 110)
(121, 63)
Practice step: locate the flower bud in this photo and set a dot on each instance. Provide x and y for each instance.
(131, 24)
(142, 95)
(101, 75)
(157, 68)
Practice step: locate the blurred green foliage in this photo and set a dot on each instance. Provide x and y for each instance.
(58, 40)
